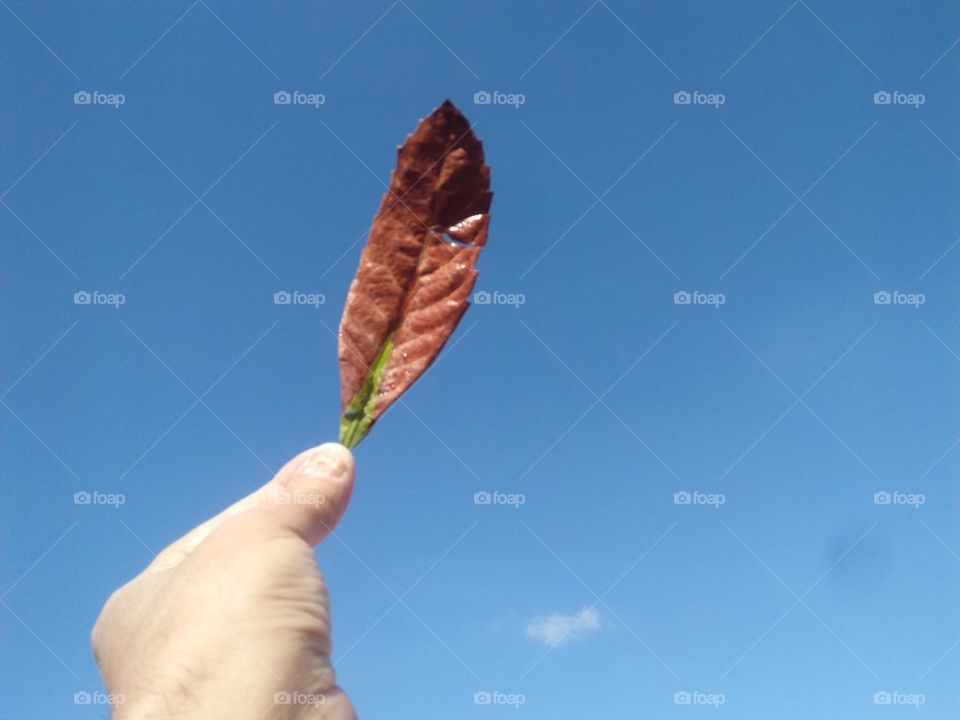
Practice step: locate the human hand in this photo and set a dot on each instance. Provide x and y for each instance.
(232, 620)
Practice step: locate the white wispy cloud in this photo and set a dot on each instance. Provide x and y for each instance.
(559, 628)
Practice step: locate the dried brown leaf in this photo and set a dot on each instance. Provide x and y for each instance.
(417, 269)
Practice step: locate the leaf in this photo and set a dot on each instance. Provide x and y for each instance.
(417, 269)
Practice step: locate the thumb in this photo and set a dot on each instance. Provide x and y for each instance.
(310, 494)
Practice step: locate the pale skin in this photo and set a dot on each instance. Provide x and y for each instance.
(233, 620)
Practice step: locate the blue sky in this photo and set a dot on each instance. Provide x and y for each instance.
(782, 199)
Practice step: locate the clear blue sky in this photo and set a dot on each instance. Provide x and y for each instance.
(797, 199)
